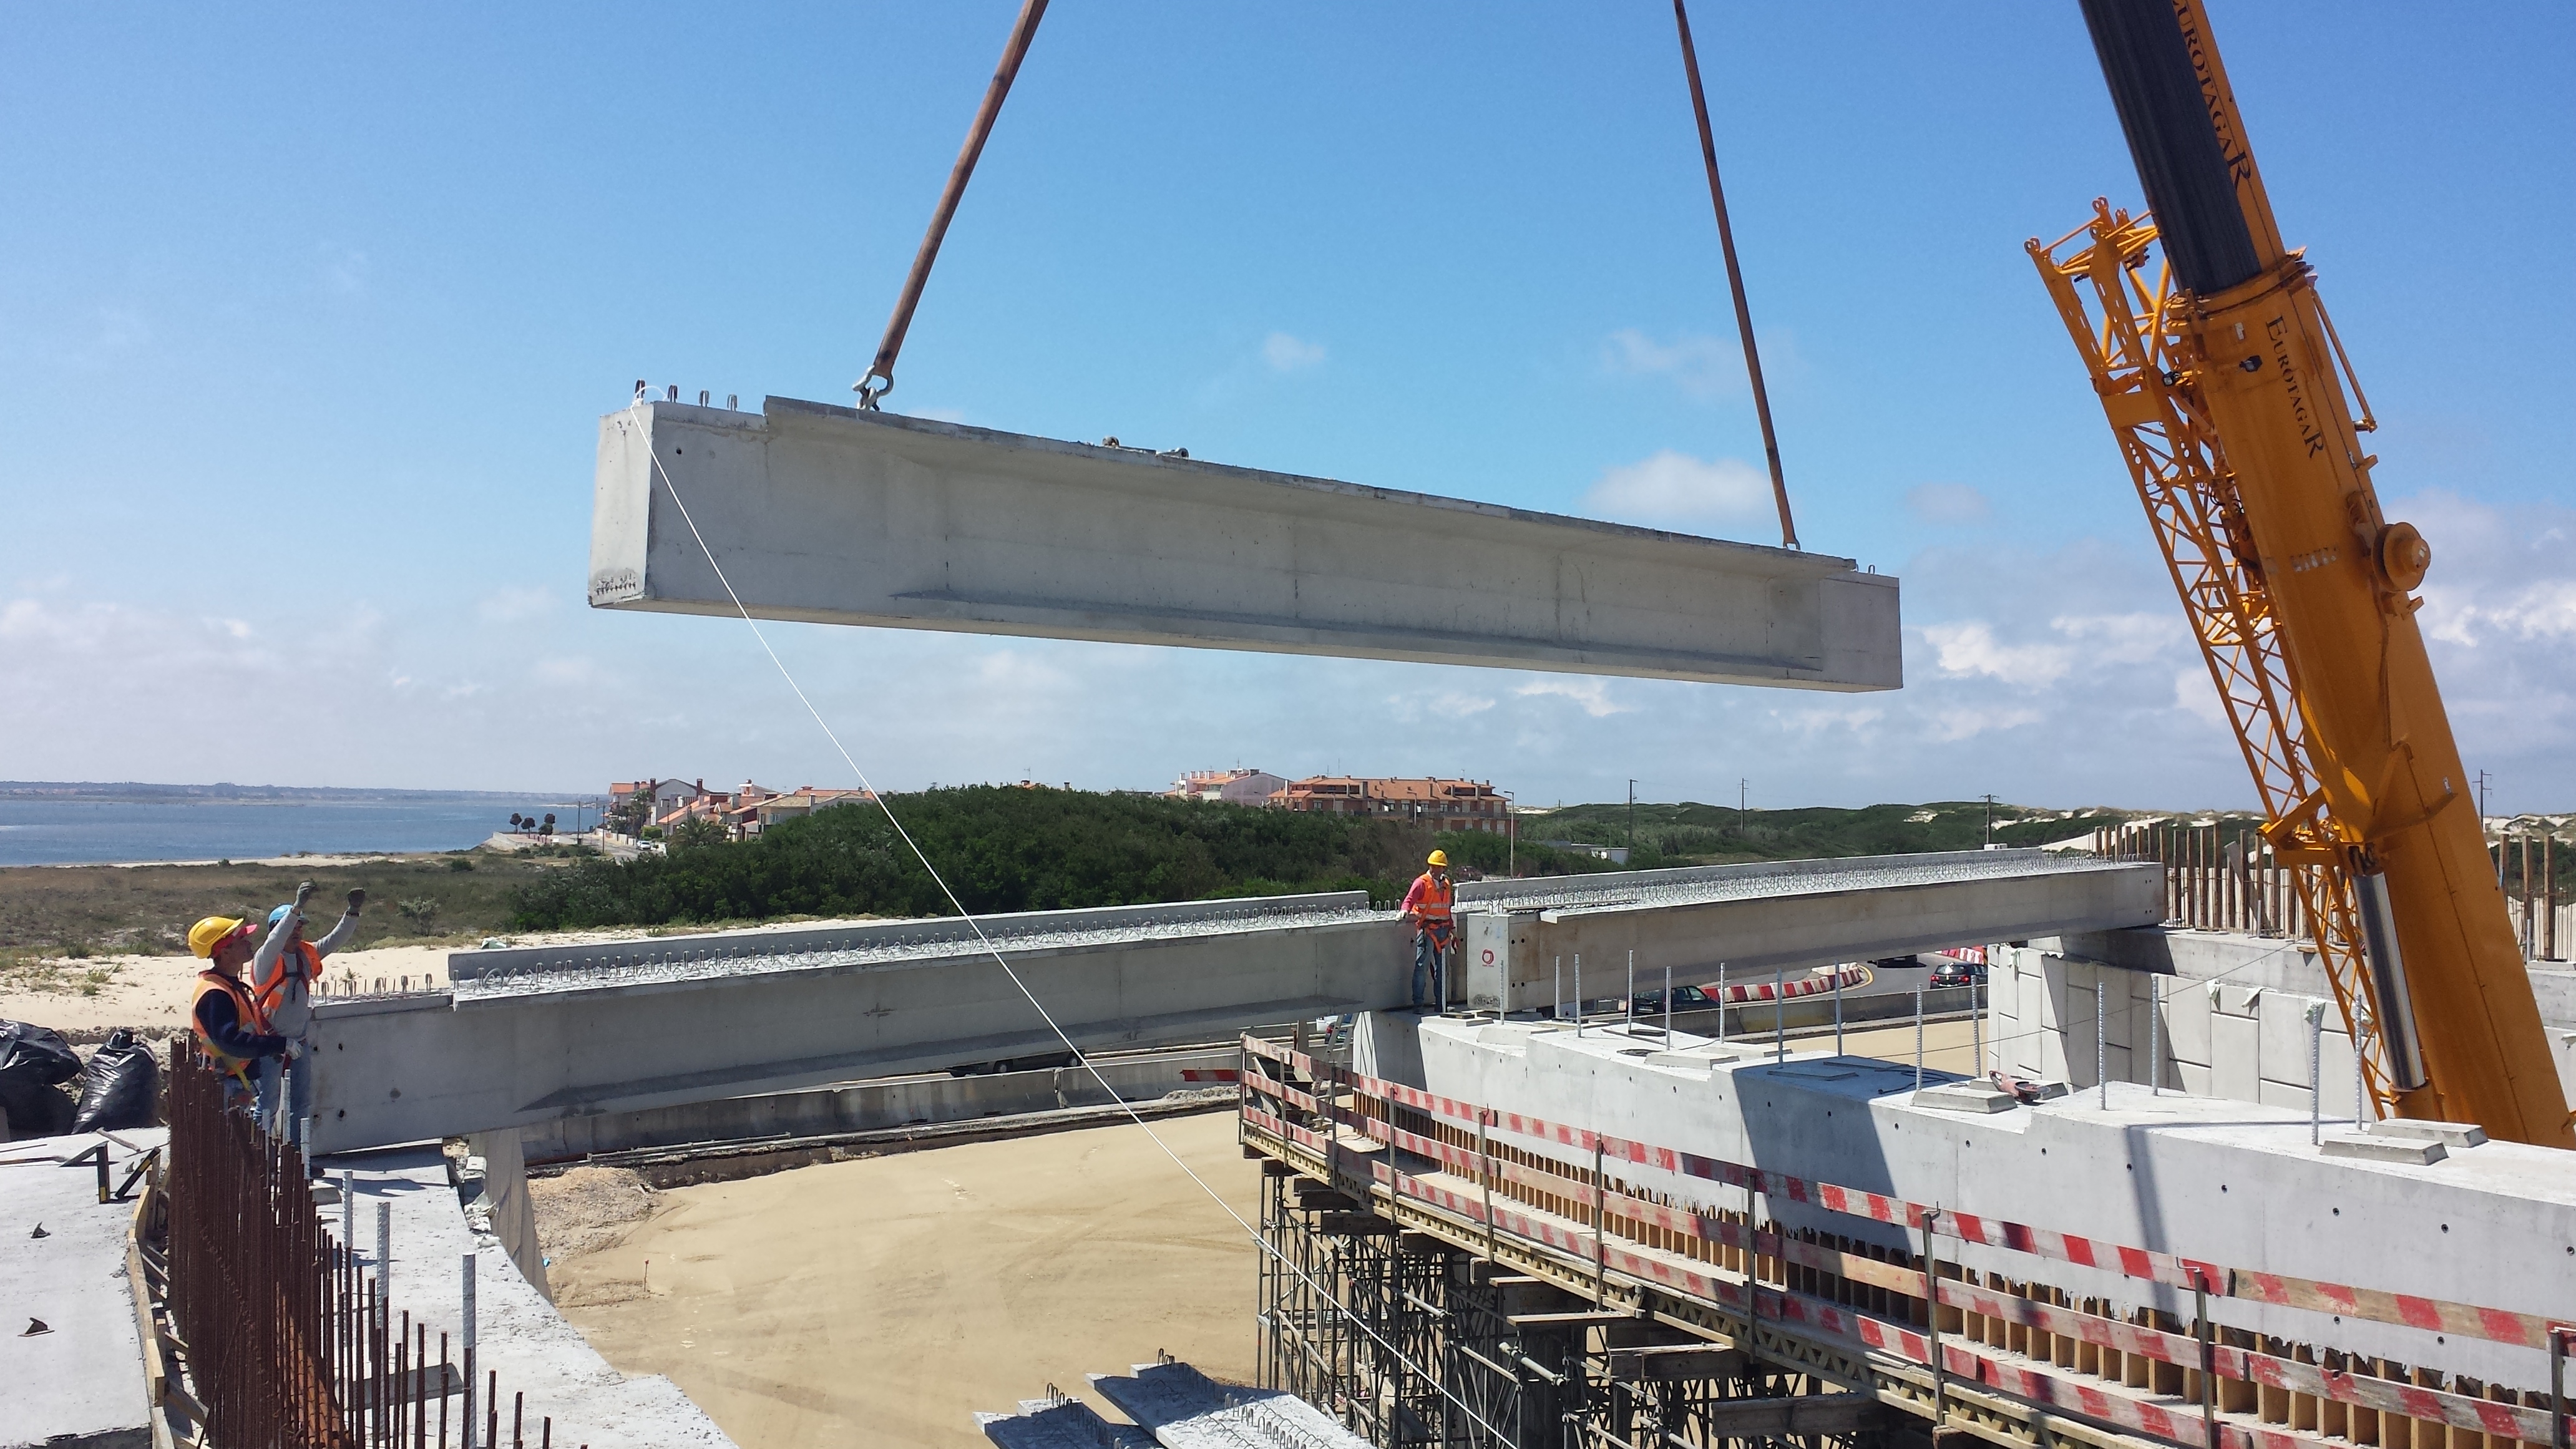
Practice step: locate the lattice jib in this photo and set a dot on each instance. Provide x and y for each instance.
(2135, 340)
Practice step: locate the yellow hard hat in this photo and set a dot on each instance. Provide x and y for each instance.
(209, 933)
(1439, 857)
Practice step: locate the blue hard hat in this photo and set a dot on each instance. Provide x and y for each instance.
(280, 913)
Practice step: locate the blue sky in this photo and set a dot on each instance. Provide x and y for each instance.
(306, 317)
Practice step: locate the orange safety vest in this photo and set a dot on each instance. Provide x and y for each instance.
(208, 982)
(1433, 909)
(265, 998)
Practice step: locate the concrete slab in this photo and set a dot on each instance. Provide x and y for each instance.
(1059, 1424)
(832, 515)
(1184, 1409)
(518, 1332)
(79, 1381)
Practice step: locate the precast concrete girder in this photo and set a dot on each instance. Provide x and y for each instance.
(1754, 918)
(833, 515)
(529, 1036)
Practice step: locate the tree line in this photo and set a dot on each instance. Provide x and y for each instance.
(1002, 848)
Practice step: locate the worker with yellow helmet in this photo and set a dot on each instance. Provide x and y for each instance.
(232, 1033)
(1427, 906)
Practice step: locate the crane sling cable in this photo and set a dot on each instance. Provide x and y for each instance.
(974, 923)
(1735, 279)
(881, 371)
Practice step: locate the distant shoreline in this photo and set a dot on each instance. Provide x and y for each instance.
(137, 792)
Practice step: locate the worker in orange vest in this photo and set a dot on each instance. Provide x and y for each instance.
(1427, 905)
(231, 1034)
(282, 990)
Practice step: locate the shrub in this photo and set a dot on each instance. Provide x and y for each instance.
(460, 862)
(419, 912)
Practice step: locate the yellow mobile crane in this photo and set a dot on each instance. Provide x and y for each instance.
(2226, 387)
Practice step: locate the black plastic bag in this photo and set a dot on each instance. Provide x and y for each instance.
(34, 1060)
(123, 1086)
(35, 1056)
(34, 1111)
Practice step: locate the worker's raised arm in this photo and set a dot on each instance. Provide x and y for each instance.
(345, 932)
(263, 962)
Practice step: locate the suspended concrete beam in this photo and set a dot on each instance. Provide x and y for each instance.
(833, 515)
(1777, 915)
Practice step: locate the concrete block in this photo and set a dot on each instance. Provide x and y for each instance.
(2237, 1000)
(2187, 1021)
(2282, 1021)
(2235, 1047)
(2197, 1079)
(1977, 1098)
(2370, 1147)
(2449, 1134)
(833, 515)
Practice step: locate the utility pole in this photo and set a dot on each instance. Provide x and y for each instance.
(1632, 817)
(1743, 794)
(2483, 777)
(1990, 821)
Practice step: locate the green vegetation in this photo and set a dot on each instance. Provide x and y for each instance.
(1002, 848)
(1695, 834)
(72, 911)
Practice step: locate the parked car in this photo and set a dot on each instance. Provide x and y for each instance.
(1947, 972)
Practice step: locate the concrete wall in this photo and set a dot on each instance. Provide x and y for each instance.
(2231, 1182)
(2234, 1022)
(833, 515)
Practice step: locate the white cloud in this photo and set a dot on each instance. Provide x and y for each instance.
(1284, 353)
(1702, 366)
(1970, 648)
(1593, 695)
(2196, 696)
(1947, 504)
(1674, 487)
(1447, 704)
(511, 604)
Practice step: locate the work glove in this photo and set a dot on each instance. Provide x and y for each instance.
(357, 899)
(303, 893)
(294, 1049)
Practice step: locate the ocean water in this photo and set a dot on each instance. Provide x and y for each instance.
(76, 831)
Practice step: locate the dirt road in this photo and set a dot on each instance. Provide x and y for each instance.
(884, 1301)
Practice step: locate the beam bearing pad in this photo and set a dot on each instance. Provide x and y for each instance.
(832, 515)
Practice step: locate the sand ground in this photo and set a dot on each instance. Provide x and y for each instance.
(884, 1301)
(86, 998)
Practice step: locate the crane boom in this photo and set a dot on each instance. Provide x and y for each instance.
(2225, 384)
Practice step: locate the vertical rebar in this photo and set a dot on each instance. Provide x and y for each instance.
(2101, 1039)
(2316, 1071)
(1838, 1009)
(2155, 1036)
(1631, 1026)
(1668, 1006)
(1556, 1004)
(1918, 1038)
(1578, 993)
(1779, 1014)
(384, 1249)
(1976, 1026)
(1721, 1003)
(465, 1432)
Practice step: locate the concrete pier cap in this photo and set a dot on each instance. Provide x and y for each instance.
(833, 515)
